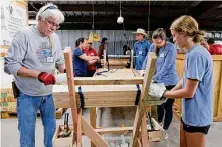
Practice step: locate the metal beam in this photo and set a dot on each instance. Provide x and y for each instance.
(113, 8)
(205, 7)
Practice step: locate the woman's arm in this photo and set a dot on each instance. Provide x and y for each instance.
(169, 61)
(187, 92)
(178, 86)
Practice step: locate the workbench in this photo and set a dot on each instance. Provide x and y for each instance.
(113, 88)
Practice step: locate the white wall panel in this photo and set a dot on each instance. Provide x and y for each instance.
(116, 38)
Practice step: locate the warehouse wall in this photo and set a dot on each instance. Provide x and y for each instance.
(116, 38)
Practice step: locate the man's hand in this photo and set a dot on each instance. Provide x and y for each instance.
(97, 58)
(157, 90)
(46, 78)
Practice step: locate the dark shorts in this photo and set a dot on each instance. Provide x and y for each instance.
(194, 129)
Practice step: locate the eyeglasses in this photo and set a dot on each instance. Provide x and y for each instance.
(52, 23)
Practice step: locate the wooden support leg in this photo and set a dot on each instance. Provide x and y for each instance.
(137, 124)
(71, 87)
(144, 134)
(141, 108)
(92, 134)
(93, 121)
(79, 129)
(131, 64)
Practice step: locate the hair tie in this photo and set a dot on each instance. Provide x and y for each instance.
(195, 33)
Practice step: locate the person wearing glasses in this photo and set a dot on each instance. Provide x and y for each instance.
(141, 48)
(34, 54)
(91, 66)
(165, 73)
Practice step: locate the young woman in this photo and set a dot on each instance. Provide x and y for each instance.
(102, 47)
(80, 59)
(165, 72)
(196, 87)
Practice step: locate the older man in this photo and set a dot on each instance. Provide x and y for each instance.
(141, 48)
(32, 57)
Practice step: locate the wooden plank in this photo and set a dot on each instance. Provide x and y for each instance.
(4, 115)
(150, 69)
(97, 96)
(93, 121)
(132, 59)
(104, 59)
(108, 81)
(217, 79)
(92, 134)
(180, 56)
(93, 117)
(97, 99)
(219, 111)
(116, 130)
(79, 128)
(144, 131)
(119, 56)
(217, 57)
(177, 114)
(71, 87)
(217, 119)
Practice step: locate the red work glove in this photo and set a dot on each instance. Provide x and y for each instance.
(46, 78)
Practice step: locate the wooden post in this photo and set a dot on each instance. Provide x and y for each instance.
(93, 121)
(104, 59)
(92, 134)
(144, 132)
(141, 108)
(132, 59)
(79, 128)
(71, 87)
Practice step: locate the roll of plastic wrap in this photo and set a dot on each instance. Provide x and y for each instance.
(61, 78)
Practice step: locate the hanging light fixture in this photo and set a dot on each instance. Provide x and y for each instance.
(120, 19)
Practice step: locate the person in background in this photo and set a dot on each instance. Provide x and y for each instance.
(141, 48)
(90, 51)
(80, 59)
(32, 57)
(102, 47)
(205, 44)
(165, 72)
(127, 51)
(196, 87)
(214, 49)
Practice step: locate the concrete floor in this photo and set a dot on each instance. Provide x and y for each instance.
(109, 118)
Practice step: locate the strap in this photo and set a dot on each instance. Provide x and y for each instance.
(138, 94)
(51, 41)
(82, 99)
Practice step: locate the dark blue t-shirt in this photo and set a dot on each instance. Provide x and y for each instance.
(79, 65)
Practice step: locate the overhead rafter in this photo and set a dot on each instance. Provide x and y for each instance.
(205, 7)
(112, 8)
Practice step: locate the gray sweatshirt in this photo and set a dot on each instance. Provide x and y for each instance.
(29, 49)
